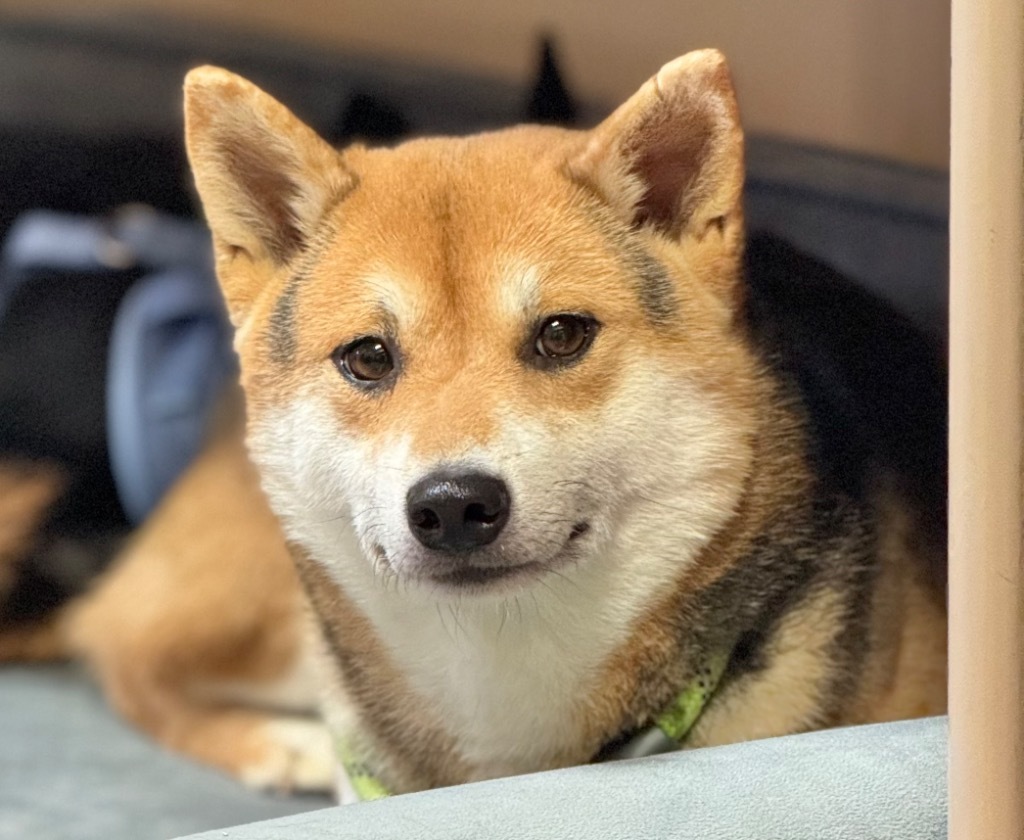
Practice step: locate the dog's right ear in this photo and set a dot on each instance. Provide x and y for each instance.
(671, 157)
(264, 177)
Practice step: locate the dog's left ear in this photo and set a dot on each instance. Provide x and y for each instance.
(264, 177)
(672, 156)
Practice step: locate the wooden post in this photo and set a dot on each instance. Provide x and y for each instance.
(986, 705)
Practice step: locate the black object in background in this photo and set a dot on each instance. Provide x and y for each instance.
(53, 362)
(550, 100)
(371, 119)
(90, 176)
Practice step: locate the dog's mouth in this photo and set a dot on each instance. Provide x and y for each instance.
(466, 577)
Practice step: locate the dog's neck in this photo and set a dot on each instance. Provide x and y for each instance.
(359, 781)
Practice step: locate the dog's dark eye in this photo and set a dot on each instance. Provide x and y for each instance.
(365, 359)
(564, 337)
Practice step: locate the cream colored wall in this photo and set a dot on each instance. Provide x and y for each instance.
(865, 75)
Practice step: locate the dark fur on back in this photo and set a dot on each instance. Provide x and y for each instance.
(873, 387)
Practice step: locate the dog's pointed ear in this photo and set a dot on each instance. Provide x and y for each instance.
(672, 155)
(265, 178)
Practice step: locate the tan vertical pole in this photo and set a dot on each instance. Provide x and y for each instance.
(986, 750)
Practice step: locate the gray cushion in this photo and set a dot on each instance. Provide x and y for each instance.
(883, 782)
(70, 769)
(883, 224)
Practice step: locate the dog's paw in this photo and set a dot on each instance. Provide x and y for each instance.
(297, 755)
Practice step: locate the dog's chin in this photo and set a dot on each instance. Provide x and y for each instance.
(476, 578)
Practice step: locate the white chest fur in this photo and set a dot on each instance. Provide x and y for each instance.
(504, 677)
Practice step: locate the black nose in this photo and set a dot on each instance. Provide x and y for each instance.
(457, 512)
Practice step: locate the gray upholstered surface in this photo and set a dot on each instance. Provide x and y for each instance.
(69, 769)
(869, 783)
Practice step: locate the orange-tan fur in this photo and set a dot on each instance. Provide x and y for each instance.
(197, 633)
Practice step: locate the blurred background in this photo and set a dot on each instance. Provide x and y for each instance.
(870, 76)
(848, 101)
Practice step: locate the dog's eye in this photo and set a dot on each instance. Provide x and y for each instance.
(365, 359)
(564, 337)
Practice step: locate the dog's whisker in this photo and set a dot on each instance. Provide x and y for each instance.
(444, 624)
(503, 607)
(665, 505)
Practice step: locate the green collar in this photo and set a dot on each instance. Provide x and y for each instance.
(361, 779)
(666, 734)
(669, 731)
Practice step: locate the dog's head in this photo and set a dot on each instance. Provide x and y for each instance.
(489, 361)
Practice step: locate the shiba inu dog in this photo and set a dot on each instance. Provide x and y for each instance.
(567, 468)
(543, 459)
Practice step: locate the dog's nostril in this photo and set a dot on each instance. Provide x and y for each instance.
(578, 530)
(478, 513)
(425, 518)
